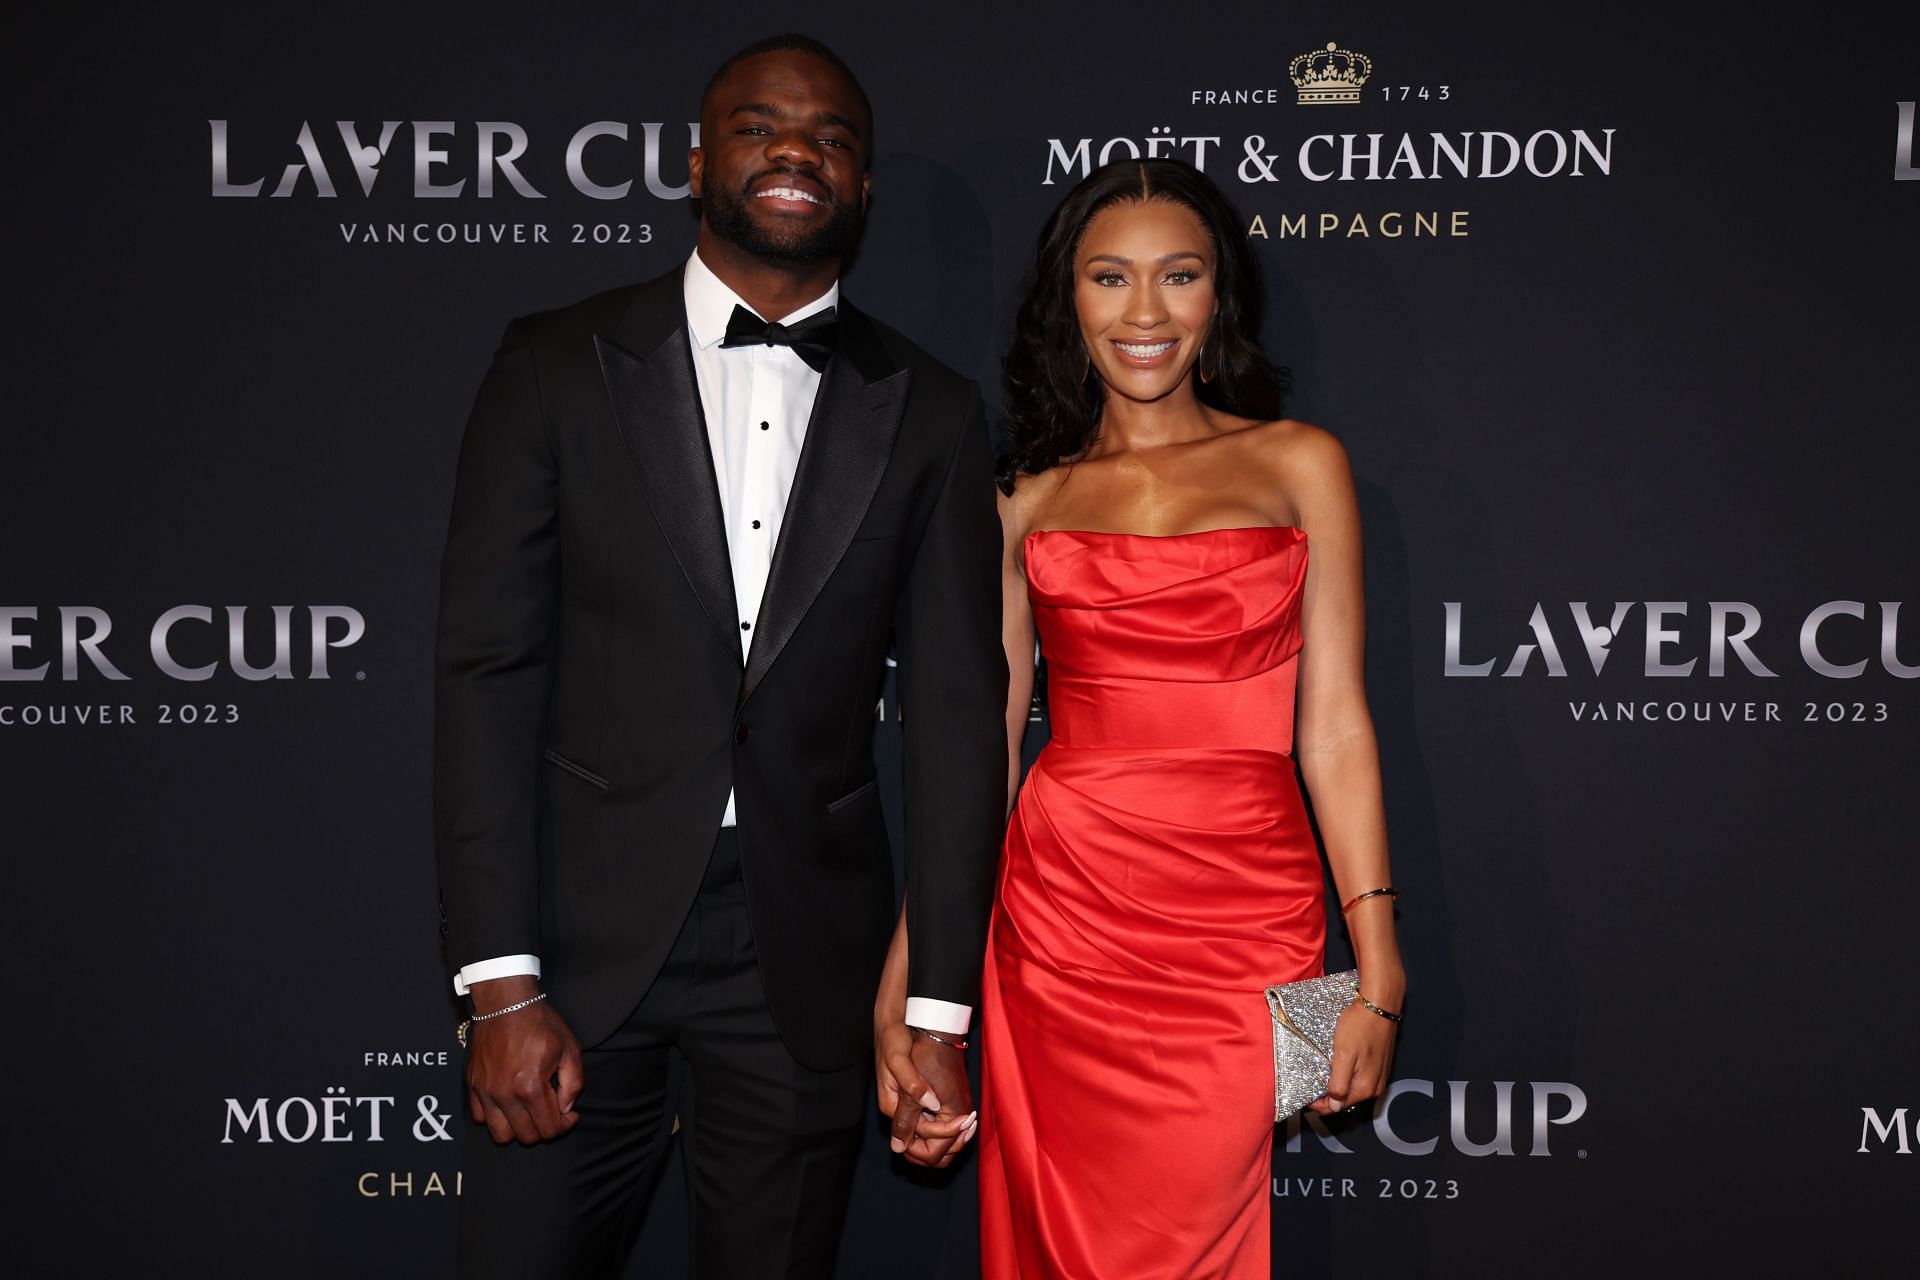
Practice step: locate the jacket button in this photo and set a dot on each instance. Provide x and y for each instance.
(740, 734)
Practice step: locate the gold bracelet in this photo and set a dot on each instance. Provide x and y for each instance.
(1387, 892)
(1371, 1007)
(937, 1038)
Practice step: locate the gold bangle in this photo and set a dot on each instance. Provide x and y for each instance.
(937, 1038)
(1387, 892)
(1371, 1007)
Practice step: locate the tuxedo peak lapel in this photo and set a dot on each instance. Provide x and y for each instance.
(856, 414)
(656, 402)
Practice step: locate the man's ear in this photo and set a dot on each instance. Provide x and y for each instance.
(866, 191)
(696, 163)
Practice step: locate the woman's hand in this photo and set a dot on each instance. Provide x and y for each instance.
(920, 1082)
(929, 1128)
(1362, 1053)
(892, 1044)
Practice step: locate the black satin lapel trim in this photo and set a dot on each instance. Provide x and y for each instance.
(849, 442)
(656, 401)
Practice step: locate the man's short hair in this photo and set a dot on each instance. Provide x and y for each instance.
(791, 42)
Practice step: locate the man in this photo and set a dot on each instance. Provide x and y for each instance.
(691, 517)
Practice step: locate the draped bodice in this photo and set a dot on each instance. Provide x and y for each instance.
(1187, 641)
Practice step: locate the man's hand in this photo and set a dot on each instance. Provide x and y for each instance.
(523, 1069)
(923, 1086)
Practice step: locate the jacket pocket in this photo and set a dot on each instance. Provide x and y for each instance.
(855, 796)
(885, 520)
(577, 770)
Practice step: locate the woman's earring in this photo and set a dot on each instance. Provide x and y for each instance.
(1206, 375)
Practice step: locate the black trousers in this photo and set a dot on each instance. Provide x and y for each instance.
(770, 1146)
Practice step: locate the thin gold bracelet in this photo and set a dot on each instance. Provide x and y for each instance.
(1371, 1007)
(1388, 892)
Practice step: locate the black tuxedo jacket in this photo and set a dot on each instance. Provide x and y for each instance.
(594, 703)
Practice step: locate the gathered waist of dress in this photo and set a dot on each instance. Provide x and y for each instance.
(1106, 711)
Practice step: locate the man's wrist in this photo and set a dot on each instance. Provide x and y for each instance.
(949, 1019)
(497, 993)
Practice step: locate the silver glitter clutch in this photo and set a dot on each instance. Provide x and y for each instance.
(1304, 1016)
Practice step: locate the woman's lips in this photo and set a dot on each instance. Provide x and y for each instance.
(1145, 355)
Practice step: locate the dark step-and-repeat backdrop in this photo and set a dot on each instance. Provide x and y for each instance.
(1615, 311)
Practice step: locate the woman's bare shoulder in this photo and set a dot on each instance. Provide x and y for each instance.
(1020, 510)
(1301, 450)
(1305, 465)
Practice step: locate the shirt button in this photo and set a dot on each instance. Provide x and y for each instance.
(766, 426)
(756, 524)
(746, 626)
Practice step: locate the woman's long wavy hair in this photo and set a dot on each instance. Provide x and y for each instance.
(1053, 396)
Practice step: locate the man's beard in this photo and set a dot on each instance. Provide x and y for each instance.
(726, 212)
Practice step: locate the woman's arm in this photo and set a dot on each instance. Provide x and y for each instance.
(1017, 635)
(1338, 755)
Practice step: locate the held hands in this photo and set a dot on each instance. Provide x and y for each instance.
(1362, 1052)
(922, 1086)
(523, 1070)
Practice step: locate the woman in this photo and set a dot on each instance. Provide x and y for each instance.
(1159, 868)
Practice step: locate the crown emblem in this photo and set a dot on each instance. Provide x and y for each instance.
(1328, 75)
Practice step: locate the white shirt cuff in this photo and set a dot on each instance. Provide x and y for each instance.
(498, 967)
(939, 1015)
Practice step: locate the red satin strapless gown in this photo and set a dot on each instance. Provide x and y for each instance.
(1158, 874)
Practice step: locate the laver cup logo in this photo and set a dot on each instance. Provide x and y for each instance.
(1415, 1117)
(57, 664)
(443, 159)
(1621, 659)
(1841, 640)
(1447, 1119)
(188, 642)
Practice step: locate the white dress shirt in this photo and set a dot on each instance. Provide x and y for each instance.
(757, 400)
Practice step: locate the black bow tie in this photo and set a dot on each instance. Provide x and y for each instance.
(811, 339)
